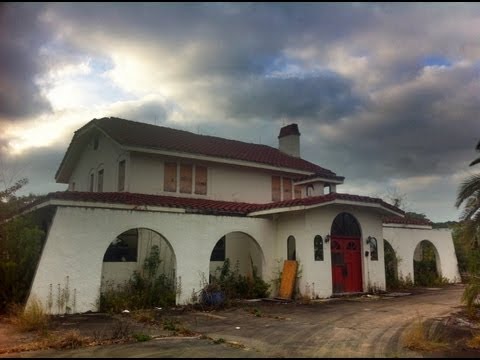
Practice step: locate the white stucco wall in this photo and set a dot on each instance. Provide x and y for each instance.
(106, 156)
(404, 241)
(79, 237)
(316, 276)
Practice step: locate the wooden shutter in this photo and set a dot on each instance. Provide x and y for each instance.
(287, 189)
(298, 192)
(186, 174)
(170, 177)
(200, 180)
(276, 188)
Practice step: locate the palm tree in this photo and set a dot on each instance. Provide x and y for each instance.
(469, 193)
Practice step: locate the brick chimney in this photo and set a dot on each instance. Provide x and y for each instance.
(289, 140)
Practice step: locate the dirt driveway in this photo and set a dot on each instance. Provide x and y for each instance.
(354, 327)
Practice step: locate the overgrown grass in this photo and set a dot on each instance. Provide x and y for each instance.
(416, 339)
(30, 318)
(144, 290)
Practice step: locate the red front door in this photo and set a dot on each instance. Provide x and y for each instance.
(346, 264)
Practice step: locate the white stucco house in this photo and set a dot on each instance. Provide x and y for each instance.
(203, 199)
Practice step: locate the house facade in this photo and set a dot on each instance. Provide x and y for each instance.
(203, 199)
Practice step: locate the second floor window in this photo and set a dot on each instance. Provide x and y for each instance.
(200, 180)
(121, 175)
(170, 177)
(186, 174)
(92, 178)
(100, 181)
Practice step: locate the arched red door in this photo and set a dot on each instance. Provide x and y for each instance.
(346, 264)
(346, 255)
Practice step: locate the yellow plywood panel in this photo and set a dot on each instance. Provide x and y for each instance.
(289, 276)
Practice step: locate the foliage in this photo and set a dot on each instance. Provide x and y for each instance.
(469, 231)
(140, 337)
(416, 338)
(20, 246)
(30, 318)
(390, 266)
(143, 290)
(237, 286)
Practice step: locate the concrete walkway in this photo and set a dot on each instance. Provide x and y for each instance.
(356, 327)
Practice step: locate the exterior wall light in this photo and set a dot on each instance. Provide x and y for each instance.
(327, 238)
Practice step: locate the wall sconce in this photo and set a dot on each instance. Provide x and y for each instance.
(327, 238)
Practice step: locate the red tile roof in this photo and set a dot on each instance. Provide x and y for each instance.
(291, 129)
(406, 221)
(327, 198)
(204, 206)
(143, 135)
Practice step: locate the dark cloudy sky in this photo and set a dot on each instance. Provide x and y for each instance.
(387, 95)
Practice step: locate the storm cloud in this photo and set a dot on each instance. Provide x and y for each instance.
(385, 94)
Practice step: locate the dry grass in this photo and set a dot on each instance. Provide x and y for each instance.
(416, 339)
(30, 318)
(474, 342)
(144, 316)
(60, 341)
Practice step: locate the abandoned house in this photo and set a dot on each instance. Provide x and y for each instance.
(203, 199)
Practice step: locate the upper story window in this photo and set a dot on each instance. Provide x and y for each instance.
(276, 189)
(100, 181)
(72, 186)
(287, 189)
(121, 175)
(186, 174)
(92, 182)
(170, 177)
(283, 189)
(186, 178)
(201, 180)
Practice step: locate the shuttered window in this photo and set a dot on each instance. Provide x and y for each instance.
(287, 189)
(200, 180)
(121, 175)
(298, 192)
(91, 182)
(100, 181)
(170, 177)
(186, 173)
(276, 195)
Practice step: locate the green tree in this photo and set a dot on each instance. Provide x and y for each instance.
(20, 246)
(469, 195)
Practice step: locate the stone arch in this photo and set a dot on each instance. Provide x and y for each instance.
(391, 265)
(427, 267)
(242, 250)
(128, 251)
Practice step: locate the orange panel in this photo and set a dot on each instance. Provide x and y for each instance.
(170, 177)
(287, 189)
(289, 277)
(276, 188)
(186, 176)
(200, 180)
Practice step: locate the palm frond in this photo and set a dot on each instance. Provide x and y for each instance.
(475, 162)
(468, 189)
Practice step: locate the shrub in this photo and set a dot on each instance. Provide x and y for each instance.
(237, 286)
(30, 318)
(143, 290)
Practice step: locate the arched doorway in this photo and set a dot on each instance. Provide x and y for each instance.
(137, 257)
(346, 254)
(236, 262)
(426, 264)
(391, 266)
